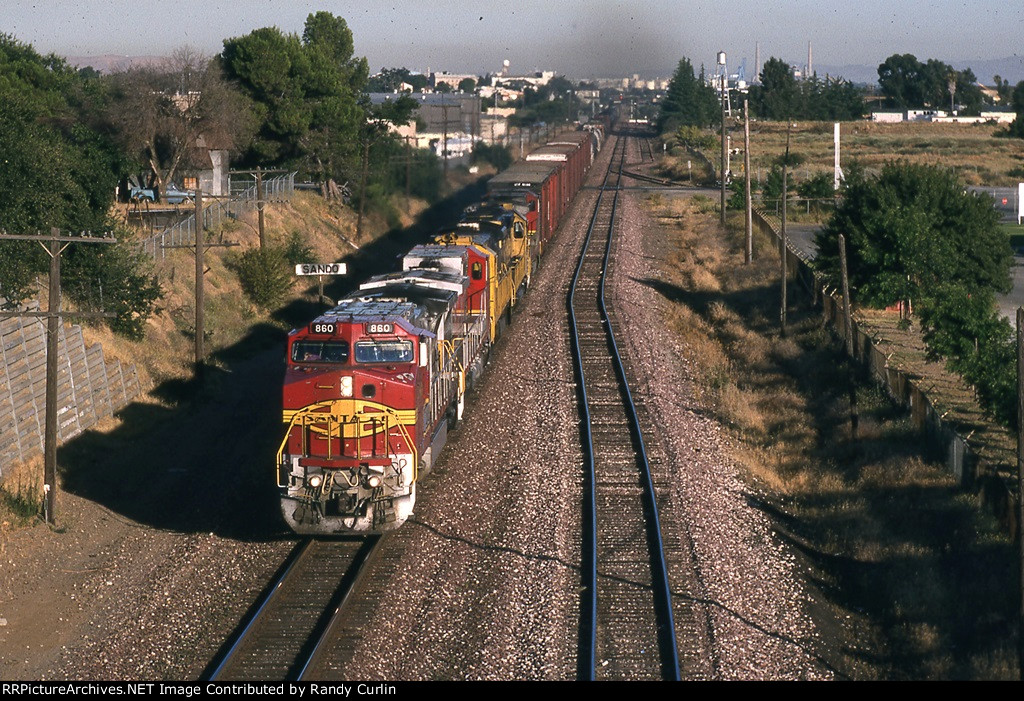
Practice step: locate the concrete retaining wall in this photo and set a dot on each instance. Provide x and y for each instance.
(88, 387)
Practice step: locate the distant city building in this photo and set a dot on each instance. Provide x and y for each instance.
(451, 79)
(939, 116)
(442, 111)
(536, 79)
(505, 94)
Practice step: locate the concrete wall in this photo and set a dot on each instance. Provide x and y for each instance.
(88, 389)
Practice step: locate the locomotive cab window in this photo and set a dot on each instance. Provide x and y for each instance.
(477, 271)
(396, 351)
(518, 230)
(320, 352)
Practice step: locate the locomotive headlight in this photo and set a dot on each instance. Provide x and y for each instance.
(346, 386)
(315, 481)
(373, 481)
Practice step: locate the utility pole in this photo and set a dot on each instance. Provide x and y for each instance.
(259, 206)
(52, 245)
(444, 144)
(408, 176)
(848, 323)
(783, 243)
(258, 174)
(200, 247)
(1020, 490)
(362, 186)
(721, 60)
(200, 351)
(746, 184)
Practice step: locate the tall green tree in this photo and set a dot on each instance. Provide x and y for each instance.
(781, 96)
(56, 169)
(911, 229)
(776, 97)
(305, 92)
(914, 233)
(689, 101)
(910, 84)
(1017, 100)
(59, 169)
(901, 79)
(964, 326)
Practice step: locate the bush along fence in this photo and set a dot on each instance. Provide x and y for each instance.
(275, 189)
(88, 387)
(988, 475)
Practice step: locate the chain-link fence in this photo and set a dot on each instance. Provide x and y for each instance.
(243, 200)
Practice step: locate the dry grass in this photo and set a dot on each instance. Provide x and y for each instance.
(976, 152)
(165, 355)
(921, 576)
(166, 352)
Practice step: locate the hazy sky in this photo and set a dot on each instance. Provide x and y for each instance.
(576, 37)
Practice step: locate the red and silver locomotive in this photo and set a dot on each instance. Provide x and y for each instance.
(373, 385)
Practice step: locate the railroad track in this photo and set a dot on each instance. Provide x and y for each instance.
(627, 629)
(646, 151)
(285, 631)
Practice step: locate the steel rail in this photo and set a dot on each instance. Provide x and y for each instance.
(265, 641)
(349, 585)
(659, 578)
(297, 554)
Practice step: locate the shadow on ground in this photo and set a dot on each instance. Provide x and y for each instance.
(202, 460)
(906, 553)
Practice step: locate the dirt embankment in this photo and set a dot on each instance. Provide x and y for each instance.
(166, 522)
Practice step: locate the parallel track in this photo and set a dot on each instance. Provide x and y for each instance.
(646, 150)
(627, 629)
(286, 629)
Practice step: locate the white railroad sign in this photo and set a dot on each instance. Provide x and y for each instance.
(320, 269)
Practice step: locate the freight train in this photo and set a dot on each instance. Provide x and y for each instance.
(373, 385)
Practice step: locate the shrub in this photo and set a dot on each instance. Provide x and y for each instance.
(296, 250)
(497, 155)
(115, 278)
(264, 275)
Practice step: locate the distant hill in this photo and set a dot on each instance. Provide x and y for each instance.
(1010, 68)
(111, 63)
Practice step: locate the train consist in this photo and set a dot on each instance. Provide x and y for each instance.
(373, 385)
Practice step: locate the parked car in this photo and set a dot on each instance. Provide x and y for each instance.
(172, 195)
(143, 194)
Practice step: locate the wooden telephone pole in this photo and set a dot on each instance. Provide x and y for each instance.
(749, 248)
(54, 244)
(200, 247)
(261, 200)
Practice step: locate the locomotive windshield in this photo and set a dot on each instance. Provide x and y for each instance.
(384, 351)
(320, 352)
